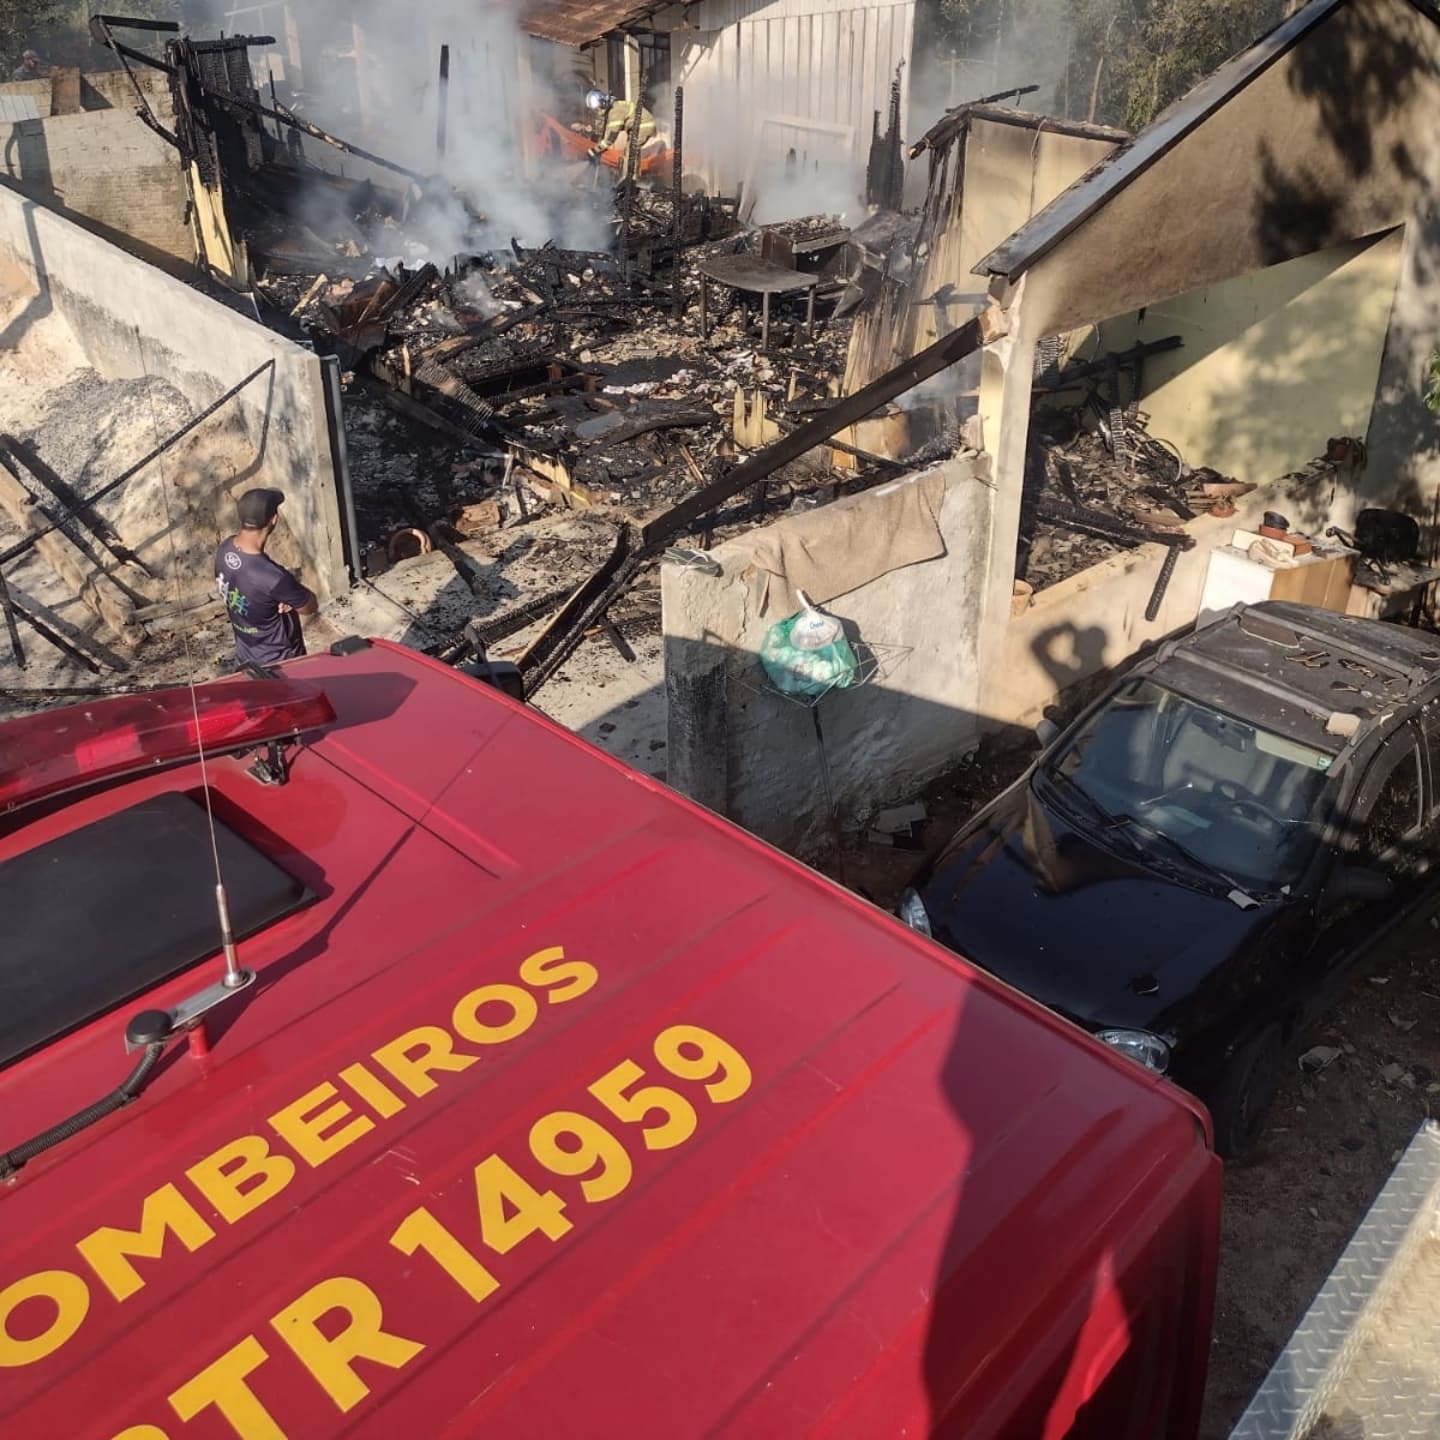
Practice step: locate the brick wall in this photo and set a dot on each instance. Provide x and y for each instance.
(105, 164)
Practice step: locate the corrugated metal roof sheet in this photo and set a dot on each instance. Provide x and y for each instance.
(581, 22)
(18, 107)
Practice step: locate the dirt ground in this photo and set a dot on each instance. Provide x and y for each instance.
(1291, 1206)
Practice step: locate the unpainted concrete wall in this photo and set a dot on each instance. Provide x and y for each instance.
(1325, 146)
(737, 746)
(1096, 619)
(1273, 364)
(134, 320)
(103, 163)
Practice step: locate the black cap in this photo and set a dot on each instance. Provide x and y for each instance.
(259, 507)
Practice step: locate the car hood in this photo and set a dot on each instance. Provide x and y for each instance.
(1090, 931)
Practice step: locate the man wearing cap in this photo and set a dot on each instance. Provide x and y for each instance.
(29, 68)
(263, 600)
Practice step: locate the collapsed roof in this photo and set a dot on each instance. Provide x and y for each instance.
(581, 22)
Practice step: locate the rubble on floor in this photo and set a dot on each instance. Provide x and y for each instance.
(1087, 498)
(518, 385)
(596, 383)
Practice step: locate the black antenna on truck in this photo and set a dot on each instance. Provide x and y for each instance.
(235, 978)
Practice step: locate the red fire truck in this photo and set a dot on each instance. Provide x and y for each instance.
(535, 1102)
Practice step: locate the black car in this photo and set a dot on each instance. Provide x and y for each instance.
(1192, 868)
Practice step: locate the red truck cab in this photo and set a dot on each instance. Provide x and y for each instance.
(549, 1104)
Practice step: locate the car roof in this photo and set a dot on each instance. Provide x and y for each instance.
(912, 1135)
(1289, 668)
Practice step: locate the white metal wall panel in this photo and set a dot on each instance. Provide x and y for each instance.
(823, 60)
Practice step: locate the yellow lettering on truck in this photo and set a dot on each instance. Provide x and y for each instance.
(240, 1176)
(315, 1138)
(372, 1090)
(109, 1249)
(436, 1052)
(329, 1358)
(469, 1026)
(549, 970)
(222, 1384)
(66, 1294)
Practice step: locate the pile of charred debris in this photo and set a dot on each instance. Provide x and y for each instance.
(596, 384)
(591, 380)
(678, 380)
(1097, 482)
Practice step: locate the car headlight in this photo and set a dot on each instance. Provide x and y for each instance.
(1141, 1046)
(912, 911)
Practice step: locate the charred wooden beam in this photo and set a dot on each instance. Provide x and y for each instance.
(74, 505)
(1071, 373)
(31, 540)
(7, 605)
(284, 117)
(465, 567)
(970, 337)
(444, 102)
(585, 607)
(680, 420)
(677, 199)
(490, 330)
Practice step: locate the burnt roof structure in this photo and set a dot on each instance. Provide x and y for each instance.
(1309, 138)
(581, 22)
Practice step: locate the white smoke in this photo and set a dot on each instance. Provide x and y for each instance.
(375, 81)
(785, 189)
(1030, 45)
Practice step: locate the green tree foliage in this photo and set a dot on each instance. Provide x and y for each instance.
(25, 24)
(1122, 62)
(59, 30)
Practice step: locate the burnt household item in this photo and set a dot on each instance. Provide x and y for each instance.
(760, 277)
(1387, 536)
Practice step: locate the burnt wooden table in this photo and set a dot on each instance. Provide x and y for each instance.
(759, 277)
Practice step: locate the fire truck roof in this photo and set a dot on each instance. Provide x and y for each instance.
(556, 1106)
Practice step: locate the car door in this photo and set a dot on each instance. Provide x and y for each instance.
(1390, 828)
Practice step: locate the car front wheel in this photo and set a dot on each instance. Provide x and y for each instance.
(1245, 1091)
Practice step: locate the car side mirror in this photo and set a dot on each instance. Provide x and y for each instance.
(1359, 883)
(1047, 732)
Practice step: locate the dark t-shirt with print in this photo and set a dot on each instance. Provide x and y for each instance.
(253, 588)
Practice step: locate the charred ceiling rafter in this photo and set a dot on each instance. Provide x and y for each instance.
(101, 27)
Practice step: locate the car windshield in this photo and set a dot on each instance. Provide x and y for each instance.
(1187, 781)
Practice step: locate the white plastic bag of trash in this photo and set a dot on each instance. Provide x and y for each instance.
(807, 653)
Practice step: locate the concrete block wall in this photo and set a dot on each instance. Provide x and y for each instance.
(746, 752)
(133, 320)
(105, 164)
(1089, 622)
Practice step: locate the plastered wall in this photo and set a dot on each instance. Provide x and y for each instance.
(1273, 363)
(745, 751)
(132, 319)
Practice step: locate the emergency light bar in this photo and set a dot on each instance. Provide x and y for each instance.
(42, 755)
